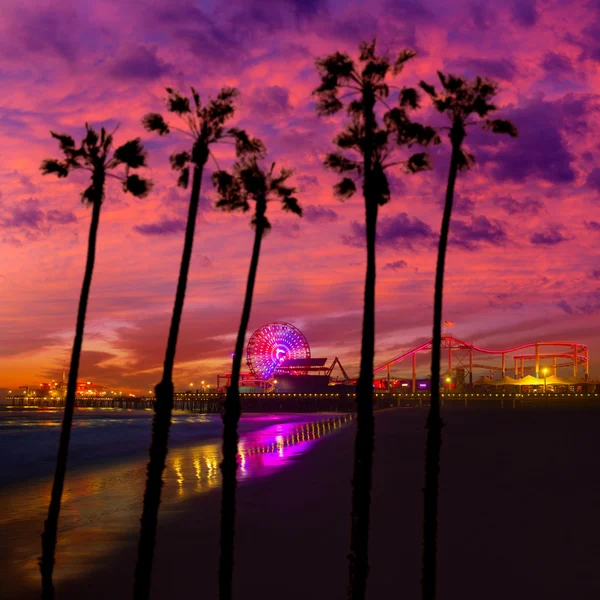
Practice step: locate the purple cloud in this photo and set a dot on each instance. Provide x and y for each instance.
(555, 63)
(400, 231)
(139, 63)
(593, 179)
(272, 101)
(164, 227)
(596, 273)
(306, 182)
(495, 68)
(481, 15)
(408, 10)
(524, 12)
(480, 230)
(512, 206)
(551, 237)
(587, 304)
(26, 215)
(43, 31)
(60, 217)
(592, 225)
(396, 265)
(540, 150)
(319, 214)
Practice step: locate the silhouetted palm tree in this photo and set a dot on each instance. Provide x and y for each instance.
(366, 150)
(205, 125)
(465, 103)
(94, 156)
(248, 182)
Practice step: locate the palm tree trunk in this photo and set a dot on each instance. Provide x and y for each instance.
(162, 416)
(49, 536)
(364, 444)
(231, 417)
(434, 421)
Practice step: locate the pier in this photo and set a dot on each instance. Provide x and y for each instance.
(318, 402)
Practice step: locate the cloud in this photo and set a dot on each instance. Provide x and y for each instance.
(524, 12)
(306, 182)
(550, 237)
(60, 217)
(319, 214)
(408, 10)
(139, 63)
(596, 273)
(30, 219)
(42, 31)
(587, 303)
(556, 64)
(512, 206)
(592, 225)
(470, 235)
(490, 67)
(540, 151)
(400, 231)
(272, 101)
(163, 227)
(593, 179)
(396, 265)
(26, 214)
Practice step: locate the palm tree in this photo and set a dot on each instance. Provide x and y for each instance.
(94, 156)
(367, 150)
(465, 103)
(205, 125)
(248, 182)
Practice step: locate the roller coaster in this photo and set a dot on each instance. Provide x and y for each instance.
(463, 358)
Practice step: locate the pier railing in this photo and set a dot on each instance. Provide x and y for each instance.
(212, 402)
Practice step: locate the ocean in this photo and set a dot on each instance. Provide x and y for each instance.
(106, 475)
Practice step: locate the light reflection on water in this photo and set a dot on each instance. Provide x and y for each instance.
(101, 506)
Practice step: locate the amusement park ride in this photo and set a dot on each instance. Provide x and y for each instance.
(278, 358)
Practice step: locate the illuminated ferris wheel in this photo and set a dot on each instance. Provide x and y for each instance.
(272, 344)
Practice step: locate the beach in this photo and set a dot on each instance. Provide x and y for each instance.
(518, 511)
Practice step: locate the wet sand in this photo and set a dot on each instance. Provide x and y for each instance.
(518, 517)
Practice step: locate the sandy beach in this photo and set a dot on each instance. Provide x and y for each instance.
(518, 517)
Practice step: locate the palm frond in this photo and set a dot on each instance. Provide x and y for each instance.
(290, 204)
(246, 145)
(131, 154)
(502, 126)
(409, 97)
(179, 160)
(136, 185)
(184, 178)
(344, 189)
(465, 160)
(65, 142)
(51, 166)
(418, 162)
(402, 58)
(341, 164)
(176, 103)
(156, 123)
(428, 89)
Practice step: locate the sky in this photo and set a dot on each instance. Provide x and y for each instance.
(523, 261)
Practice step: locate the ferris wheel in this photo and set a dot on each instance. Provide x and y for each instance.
(272, 344)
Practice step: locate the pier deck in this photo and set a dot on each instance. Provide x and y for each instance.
(318, 402)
